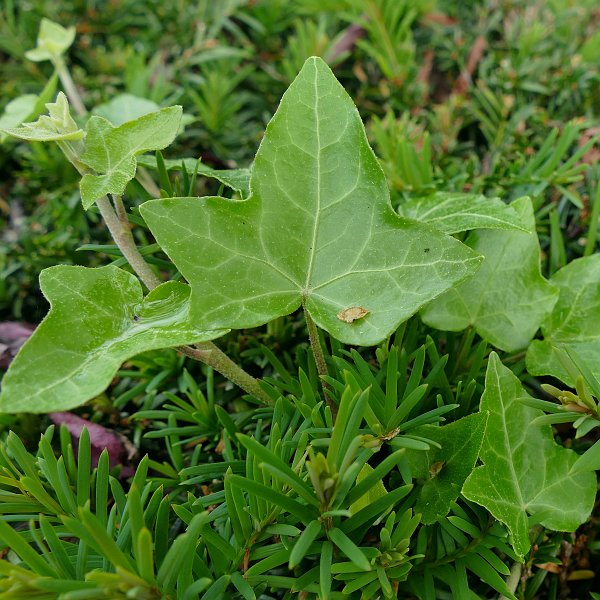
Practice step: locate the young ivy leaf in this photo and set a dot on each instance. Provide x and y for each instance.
(444, 470)
(508, 298)
(318, 229)
(97, 320)
(111, 151)
(574, 322)
(52, 42)
(524, 471)
(455, 212)
(56, 126)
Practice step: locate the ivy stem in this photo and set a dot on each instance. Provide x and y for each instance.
(211, 355)
(319, 356)
(121, 234)
(513, 579)
(70, 88)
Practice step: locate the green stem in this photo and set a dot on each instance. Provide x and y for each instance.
(211, 355)
(513, 579)
(70, 88)
(593, 226)
(319, 356)
(121, 234)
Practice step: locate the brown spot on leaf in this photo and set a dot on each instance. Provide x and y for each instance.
(349, 315)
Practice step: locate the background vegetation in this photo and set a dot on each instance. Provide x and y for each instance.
(495, 97)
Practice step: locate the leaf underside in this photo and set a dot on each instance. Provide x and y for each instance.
(317, 230)
(574, 322)
(524, 471)
(444, 470)
(97, 320)
(507, 299)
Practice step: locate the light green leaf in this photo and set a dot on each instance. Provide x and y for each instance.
(52, 42)
(125, 107)
(26, 107)
(236, 179)
(454, 212)
(56, 126)
(508, 298)
(110, 151)
(444, 470)
(574, 322)
(318, 229)
(377, 491)
(524, 471)
(97, 320)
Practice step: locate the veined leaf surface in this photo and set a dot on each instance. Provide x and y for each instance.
(318, 229)
(97, 320)
(454, 212)
(524, 471)
(574, 322)
(507, 299)
(444, 470)
(111, 151)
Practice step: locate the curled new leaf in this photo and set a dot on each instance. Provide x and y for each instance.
(98, 319)
(111, 151)
(318, 229)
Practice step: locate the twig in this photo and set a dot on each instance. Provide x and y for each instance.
(70, 88)
(513, 579)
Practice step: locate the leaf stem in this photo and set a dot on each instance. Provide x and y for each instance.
(593, 226)
(211, 355)
(319, 356)
(70, 88)
(121, 234)
(513, 579)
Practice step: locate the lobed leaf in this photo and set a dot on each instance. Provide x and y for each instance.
(524, 471)
(111, 151)
(56, 126)
(98, 319)
(53, 41)
(455, 212)
(444, 470)
(318, 229)
(508, 298)
(574, 322)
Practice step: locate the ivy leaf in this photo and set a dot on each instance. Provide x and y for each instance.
(110, 151)
(52, 42)
(524, 471)
(317, 230)
(455, 212)
(574, 322)
(508, 298)
(444, 470)
(56, 126)
(97, 320)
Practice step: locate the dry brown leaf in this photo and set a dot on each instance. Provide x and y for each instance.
(349, 315)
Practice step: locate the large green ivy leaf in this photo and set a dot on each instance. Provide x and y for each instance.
(318, 229)
(454, 212)
(444, 470)
(97, 320)
(524, 471)
(111, 151)
(574, 322)
(56, 126)
(508, 298)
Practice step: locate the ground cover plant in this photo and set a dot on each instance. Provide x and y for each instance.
(349, 353)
